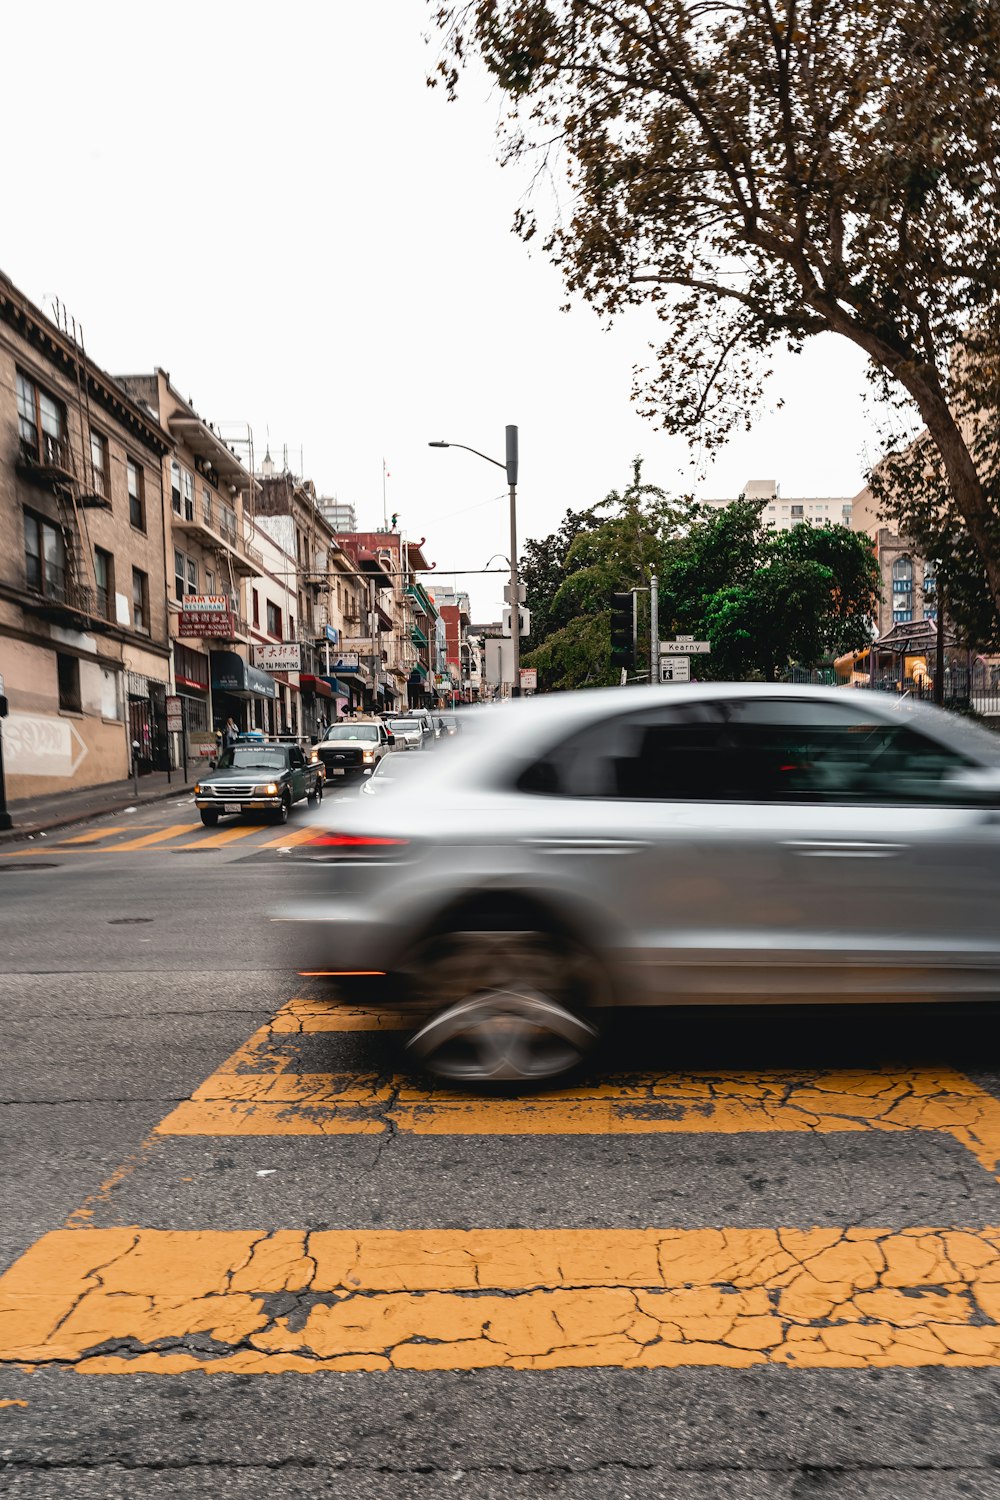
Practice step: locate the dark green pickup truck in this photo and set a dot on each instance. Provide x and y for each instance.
(258, 778)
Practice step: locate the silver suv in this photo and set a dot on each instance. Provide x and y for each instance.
(654, 846)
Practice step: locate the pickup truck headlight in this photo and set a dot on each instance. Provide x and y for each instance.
(314, 757)
(368, 756)
(197, 788)
(270, 790)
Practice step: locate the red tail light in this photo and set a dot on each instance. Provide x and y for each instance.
(353, 841)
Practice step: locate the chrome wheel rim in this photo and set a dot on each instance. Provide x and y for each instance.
(504, 1008)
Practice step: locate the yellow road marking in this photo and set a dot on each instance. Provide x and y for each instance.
(289, 839)
(304, 1015)
(95, 834)
(273, 1100)
(159, 837)
(11, 1402)
(216, 840)
(435, 1299)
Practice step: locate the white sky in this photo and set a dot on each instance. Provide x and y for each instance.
(267, 201)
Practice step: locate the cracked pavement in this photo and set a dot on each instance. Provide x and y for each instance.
(245, 1251)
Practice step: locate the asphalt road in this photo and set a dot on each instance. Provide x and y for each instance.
(250, 1254)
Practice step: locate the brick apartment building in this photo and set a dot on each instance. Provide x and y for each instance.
(84, 653)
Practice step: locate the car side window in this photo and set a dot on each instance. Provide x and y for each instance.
(750, 750)
(661, 754)
(297, 758)
(787, 750)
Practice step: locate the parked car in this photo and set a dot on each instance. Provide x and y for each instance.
(352, 748)
(257, 776)
(408, 733)
(702, 844)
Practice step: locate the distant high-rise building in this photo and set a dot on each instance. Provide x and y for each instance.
(783, 512)
(339, 514)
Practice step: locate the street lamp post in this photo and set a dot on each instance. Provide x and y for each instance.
(510, 466)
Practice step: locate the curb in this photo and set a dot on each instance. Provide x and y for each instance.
(65, 820)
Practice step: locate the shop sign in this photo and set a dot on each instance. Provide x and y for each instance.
(529, 680)
(345, 661)
(175, 714)
(216, 604)
(284, 658)
(202, 744)
(206, 624)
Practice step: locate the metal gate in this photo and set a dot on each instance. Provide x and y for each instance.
(147, 722)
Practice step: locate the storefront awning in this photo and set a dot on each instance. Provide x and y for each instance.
(337, 688)
(318, 685)
(231, 674)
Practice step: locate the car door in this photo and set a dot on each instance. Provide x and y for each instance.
(775, 849)
(299, 773)
(853, 858)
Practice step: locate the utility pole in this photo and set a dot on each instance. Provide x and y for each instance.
(515, 592)
(654, 630)
(939, 647)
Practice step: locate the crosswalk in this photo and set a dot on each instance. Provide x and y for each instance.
(189, 835)
(106, 1294)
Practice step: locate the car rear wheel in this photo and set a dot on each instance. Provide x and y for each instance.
(506, 1006)
(209, 817)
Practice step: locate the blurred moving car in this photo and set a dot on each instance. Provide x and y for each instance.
(390, 771)
(447, 724)
(708, 844)
(254, 776)
(352, 747)
(408, 733)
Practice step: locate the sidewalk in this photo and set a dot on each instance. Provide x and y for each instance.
(33, 815)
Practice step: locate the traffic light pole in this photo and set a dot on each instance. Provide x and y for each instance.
(654, 630)
(515, 593)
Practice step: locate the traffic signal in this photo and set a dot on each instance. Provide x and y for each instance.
(622, 630)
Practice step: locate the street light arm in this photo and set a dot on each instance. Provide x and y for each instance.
(467, 449)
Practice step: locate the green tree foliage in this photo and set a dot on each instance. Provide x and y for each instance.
(760, 171)
(764, 599)
(769, 599)
(569, 592)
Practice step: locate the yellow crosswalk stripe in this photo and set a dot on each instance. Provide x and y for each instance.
(94, 835)
(523, 1299)
(227, 836)
(287, 839)
(159, 837)
(273, 1101)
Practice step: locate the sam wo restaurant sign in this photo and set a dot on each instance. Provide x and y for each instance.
(207, 616)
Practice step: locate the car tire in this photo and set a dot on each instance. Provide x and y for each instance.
(504, 1006)
(209, 816)
(281, 816)
(316, 795)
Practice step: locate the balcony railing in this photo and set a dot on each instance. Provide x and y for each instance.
(47, 461)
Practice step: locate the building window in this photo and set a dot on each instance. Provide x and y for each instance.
(188, 482)
(930, 614)
(206, 505)
(273, 620)
(798, 512)
(44, 557)
(902, 616)
(41, 423)
(136, 495)
(291, 627)
(256, 608)
(68, 668)
(175, 486)
(99, 464)
(185, 575)
(104, 572)
(209, 581)
(140, 600)
(930, 579)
